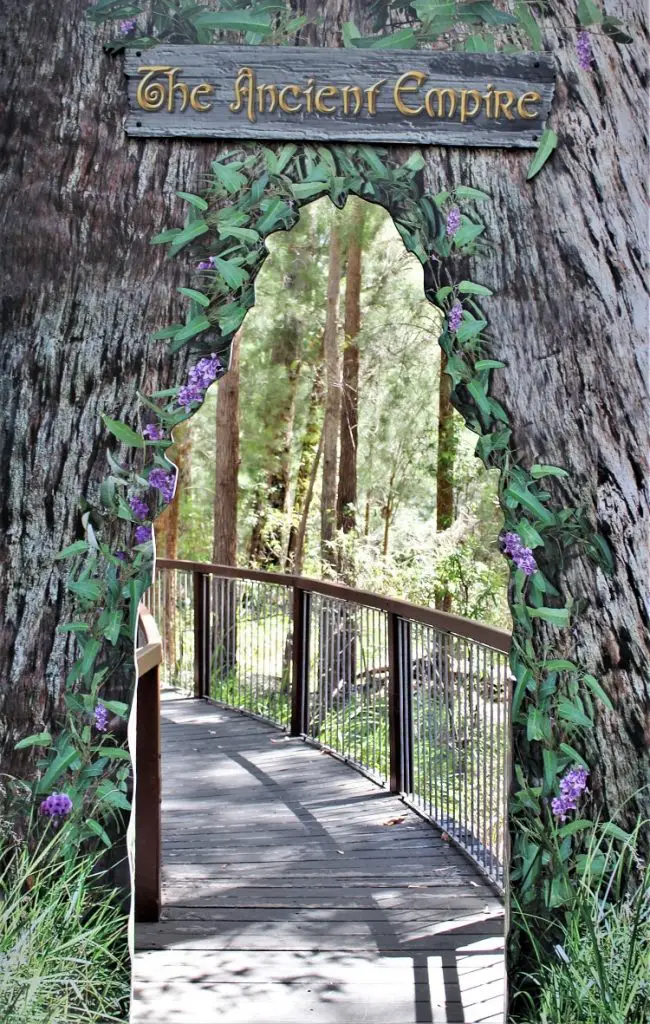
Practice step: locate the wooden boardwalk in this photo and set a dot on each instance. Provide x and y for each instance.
(296, 891)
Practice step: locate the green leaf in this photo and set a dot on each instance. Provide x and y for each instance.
(467, 233)
(350, 32)
(196, 201)
(611, 829)
(589, 13)
(114, 798)
(415, 162)
(556, 616)
(187, 235)
(479, 44)
(537, 725)
(97, 830)
(488, 364)
(113, 753)
(616, 31)
(470, 288)
(597, 690)
(529, 535)
(73, 627)
(470, 329)
(308, 189)
(56, 770)
(442, 293)
(78, 548)
(569, 712)
(528, 22)
(559, 665)
(232, 274)
(113, 626)
(579, 825)
(574, 755)
(230, 177)
(549, 758)
(91, 650)
(486, 12)
(465, 192)
(547, 144)
(41, 739)
(117, 707)
(165, 236)
(89, 590)
(537, 472)
(243, 234)
(478, 394)
(166, 332)
(123, 432)
(199, 297)
(194, 327)
(522, 496)
(235, 21)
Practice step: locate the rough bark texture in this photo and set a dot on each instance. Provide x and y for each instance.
(224, 550)
(81, 292)
(346, 498)
(570, 318)
(332, 399)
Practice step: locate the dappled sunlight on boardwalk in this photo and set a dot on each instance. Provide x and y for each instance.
(296, 890)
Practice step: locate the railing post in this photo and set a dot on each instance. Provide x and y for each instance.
(399, 704)
(147, 797)
(300, 662)
(201, 636)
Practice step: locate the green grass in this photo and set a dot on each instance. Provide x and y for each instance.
(63, 941)
(601, 971)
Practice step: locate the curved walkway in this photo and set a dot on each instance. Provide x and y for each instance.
(295, 890)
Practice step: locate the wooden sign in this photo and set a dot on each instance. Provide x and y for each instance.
(329, 95)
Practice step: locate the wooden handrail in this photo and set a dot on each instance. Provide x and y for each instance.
(148, 773)
(480, 632)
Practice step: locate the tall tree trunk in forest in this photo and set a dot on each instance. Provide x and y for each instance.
(445, 467)
(346, 499)
(302, 527)
(167, 530)
(82, 291)
(332, 399)
(224, 547)
(224, 544)
(269, 535)
(308, 454)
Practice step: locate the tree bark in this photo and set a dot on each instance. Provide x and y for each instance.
(445, 467)
(346, 500)
(332, 400)
(224, 548)
(568, 260)
(82, 291)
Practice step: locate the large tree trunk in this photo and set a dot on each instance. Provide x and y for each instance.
(568, 263)
(445, 467)
(332, 400)
(346, 499)
(224, 546)
(82, 291)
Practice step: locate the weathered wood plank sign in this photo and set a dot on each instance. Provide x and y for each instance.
(300, 93)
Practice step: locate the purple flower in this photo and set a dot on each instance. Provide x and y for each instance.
(153, 432)
(208, 264)
(128, 26)
(455, 317)
(143, 534)
(522, 557)
(188, 394)
(121, 555)
(164, 482)
(101, 718)
(572, 787)
(583, 50)
(453, 221)
(205, 372)
(139, 507)
(57, 805)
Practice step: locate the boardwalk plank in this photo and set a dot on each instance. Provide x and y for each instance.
(265, 922)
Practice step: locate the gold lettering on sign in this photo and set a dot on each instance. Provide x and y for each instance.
(441, 95)
(528, 97)
(296, 91)
(151, 95)
(504, 99)
(372, 94)
(358, 98)
(322, 95)
(401, 87)
(244, 93)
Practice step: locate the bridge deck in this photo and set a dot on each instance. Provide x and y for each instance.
(295, 890)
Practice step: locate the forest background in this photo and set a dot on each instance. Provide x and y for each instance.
(330, 448)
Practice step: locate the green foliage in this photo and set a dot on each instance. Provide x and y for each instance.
(63, 938)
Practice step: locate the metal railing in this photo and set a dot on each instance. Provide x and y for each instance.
(415, 698)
